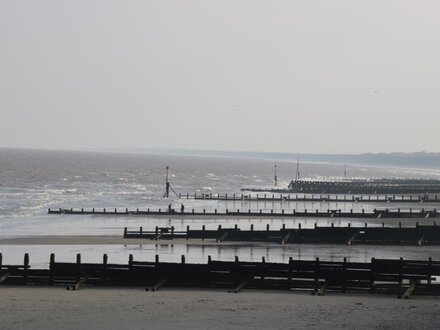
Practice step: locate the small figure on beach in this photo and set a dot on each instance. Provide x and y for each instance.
(182, 208)
(169, 208)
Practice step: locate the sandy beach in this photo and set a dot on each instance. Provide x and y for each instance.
(116, 308)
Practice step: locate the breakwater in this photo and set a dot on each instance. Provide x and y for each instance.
(375, 214)
(417, 235)
(393, 276)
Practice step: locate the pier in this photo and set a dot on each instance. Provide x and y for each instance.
(375, 214)
(393, 276)
(418, 235)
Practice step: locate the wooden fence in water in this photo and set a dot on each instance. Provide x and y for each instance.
(375, 214)
(320, 198)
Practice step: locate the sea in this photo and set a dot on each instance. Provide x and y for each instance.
(32, 181)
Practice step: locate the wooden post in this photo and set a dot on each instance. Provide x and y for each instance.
(316, 277)
(130, 262)
(344, 275)
(78, 266)
(183, 259)
(372, 270)
(203, 230)
(104, 265)
(26, 266)
(125, 232)
(429, 272)
(51, 267)
(400, 276)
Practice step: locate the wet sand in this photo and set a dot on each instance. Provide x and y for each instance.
(107, 240)
(133, 308)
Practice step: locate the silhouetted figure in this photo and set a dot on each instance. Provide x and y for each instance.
(182, 208)
(169, 208)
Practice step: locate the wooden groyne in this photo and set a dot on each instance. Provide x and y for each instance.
(418, 235)
(376, 214)
(367, 186)
(394, 276)
(313, 198)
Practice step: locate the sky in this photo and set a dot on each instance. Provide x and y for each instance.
(279, 76)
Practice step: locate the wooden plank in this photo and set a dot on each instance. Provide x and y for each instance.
(77, 285)
(222, 237)
(158, 285)
(241, 285)
(410, 290)
(5, 275)
(351, 239)
(321, 291)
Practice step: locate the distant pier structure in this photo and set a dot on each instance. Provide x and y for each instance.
(358, 186)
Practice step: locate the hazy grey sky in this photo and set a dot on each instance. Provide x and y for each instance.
(292, 76)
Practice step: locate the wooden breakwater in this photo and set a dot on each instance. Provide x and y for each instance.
(313, 198)
(396, 276)
(418, 235)
(367, 186)
(375, 214)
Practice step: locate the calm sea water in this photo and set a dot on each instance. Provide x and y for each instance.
(32, 181)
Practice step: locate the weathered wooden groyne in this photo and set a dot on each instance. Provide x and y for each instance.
(366, 186)
(375, 214)
(418, 235)
(394, 276)
(313, 198)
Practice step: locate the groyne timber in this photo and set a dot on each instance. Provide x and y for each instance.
(364, 186)
(418, 235)
(392, 276)
(375, 214)
(313, 198)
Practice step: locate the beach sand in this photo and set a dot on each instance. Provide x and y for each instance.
(133, 308)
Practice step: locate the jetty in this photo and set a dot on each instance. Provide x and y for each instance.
(349, 235)
(393, 276)
(375, 214)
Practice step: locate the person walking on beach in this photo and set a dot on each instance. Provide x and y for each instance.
(182, 208)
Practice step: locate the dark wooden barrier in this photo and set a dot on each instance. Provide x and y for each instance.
(401, 277)
(425, 198)
(367, 186)
(376, 214)
(418, 235)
